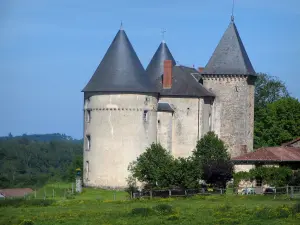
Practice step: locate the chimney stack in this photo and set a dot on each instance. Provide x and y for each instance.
(167, 76)
(201, 69)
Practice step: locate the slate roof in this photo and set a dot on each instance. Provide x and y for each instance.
(120, 70)
(183, 84)
(270, 154)
(230, 56)
(156, 66)
(164, 107)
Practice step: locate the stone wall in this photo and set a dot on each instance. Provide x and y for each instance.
(185, 124)
(164, 129)
(233, 111)
(121, 126)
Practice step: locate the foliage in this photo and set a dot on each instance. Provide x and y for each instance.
(213, 159)
(207, 210)
(186, 173)
(277, 123)
(274, 176)
(268, 89)
(131, 185)
(295, 180)
(24, 202)
(28, 163)
(153, 167)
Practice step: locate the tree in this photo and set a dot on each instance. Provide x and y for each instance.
(154, 167)
(212, 157)
(277, 123)
(186, 173)
(268, 89)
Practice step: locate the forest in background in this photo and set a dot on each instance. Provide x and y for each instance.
(33, 160)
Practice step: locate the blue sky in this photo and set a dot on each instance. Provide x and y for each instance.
(49, 49)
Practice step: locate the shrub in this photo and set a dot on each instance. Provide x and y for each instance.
(24, 202)
(27, 222)
(141, 211)
(164, 209)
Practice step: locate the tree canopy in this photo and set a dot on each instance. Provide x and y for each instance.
(212, 157)
(276, 117)
(28, 163)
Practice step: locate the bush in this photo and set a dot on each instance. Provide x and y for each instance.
(164, 209)
(141, 211)
(27, 222)
(24, 202)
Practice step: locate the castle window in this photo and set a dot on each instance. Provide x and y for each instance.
(88, 142)
(88, 116)
(201, 81)
(87, 101)
(145, 115)
(87, 168)
(209, 122)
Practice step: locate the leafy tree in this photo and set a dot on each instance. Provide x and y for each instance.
(186, 173)
(268, 89)
(212, 157)
(154, 167)
(277, 123)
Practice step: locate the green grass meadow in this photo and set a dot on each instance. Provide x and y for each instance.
(96, 206)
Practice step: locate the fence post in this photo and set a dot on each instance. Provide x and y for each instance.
(34, 193)
(72, 188)
(292, 191)
(114, 195)
(170, 194)
(185, 192)
(287, 190)
(221, 190)
(150, 194)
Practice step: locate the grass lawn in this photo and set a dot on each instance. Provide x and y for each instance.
(96, 206)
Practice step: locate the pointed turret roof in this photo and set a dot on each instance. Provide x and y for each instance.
(120, 70)
(230, 56)
(156, 66)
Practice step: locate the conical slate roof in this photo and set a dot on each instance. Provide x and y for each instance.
(120, 70)
(230, 56)
(156, 66)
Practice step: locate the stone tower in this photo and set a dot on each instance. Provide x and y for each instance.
(230, 76)
(120, 109)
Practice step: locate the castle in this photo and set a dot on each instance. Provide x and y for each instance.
(127, 108)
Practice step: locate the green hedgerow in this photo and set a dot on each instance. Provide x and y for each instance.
(164, 209)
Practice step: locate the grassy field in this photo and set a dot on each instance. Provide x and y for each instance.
(96, 206)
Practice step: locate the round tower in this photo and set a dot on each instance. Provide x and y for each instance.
(120, 110)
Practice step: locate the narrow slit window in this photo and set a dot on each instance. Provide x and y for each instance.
(88, 116)
(88, 142)
(145, 116)
(87, 167)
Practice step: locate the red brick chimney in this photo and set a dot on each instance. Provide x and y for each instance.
(200, 69)
(167, 77)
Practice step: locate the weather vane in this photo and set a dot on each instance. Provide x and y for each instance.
(163, 31)
(232, 10)
(121, 27)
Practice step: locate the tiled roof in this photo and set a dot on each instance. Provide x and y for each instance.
(291, 142)
(271, 154)
(15, 192)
